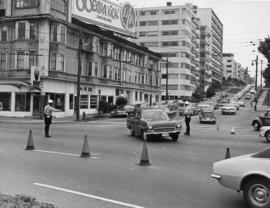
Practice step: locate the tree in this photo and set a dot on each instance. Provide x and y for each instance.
(197, 95)
(210, 92)
(264, 48)
(121, 101)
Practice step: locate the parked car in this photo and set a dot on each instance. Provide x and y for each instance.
(241, 103)
(228, 109)
(129, 109)
(119, 112)
(236, 104)
(153, 122)
(1, 106)
(265, 132)
(248, 173)
(207, 115)
(262, 120)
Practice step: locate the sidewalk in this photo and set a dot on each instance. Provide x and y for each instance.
(71, 119)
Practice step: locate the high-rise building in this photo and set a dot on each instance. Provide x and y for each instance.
(209, 18)
(173, 31)
(229, 66)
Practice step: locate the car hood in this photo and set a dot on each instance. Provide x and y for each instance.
(166, 123)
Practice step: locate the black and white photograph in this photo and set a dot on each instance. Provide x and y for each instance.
(134, 104)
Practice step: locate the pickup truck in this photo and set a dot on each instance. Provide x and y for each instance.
(153, 122)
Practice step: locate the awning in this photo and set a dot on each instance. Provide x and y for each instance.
(20, 84)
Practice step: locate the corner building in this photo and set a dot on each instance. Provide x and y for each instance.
(41, 43)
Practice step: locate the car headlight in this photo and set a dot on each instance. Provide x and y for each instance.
(178, 125)
(149, 126)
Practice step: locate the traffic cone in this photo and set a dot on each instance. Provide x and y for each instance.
(228, 154)
(232, 131)
(85, 149)
(144, 157)
(30, 142)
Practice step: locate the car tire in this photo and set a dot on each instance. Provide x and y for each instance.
(131, 132)
(256, 126)
(267, 136)
(175, 137)
(256, 193)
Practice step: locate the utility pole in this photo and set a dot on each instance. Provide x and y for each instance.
(79, 80)
(261, 73)
(167, 66)
(256, 72)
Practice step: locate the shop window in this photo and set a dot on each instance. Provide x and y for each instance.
(59, 100)
(71, 101)
(110, 99)
(93, 101)
(22, 102)
(5, 101)
(84, 101)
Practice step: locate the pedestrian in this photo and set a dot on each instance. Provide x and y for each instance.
(48, 109)
(187, 114)
(255, 104)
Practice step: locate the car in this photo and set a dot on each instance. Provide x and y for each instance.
(119, 112)
(249, 173)
(265, 132)
(129, 109)
(260, 121)
(228, 109)
(207, 115)
(153, 122)
(1, 106)
(236, 104)
(241, 103)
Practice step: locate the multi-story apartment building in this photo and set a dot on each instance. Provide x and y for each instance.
(173, 31)
(44, 46)
(210, 19)
(229, 66)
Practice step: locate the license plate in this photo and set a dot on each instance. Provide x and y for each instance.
(165, 134)
(207, 119)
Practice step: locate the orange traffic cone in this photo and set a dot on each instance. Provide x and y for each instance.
(232, 131)
(85, 149)
(228, 154)
(30, 142)
(144, 158)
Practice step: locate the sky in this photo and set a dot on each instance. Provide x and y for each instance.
(245, 23)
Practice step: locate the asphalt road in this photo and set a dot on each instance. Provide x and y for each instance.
(178, 177)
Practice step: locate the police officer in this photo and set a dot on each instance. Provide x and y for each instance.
(48, 109)
(187, 114)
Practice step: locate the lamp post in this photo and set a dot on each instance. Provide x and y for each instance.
(167, 93)
(79, 80)
(256, 72)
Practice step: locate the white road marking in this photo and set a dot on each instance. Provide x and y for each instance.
(62, 153)
(88, 195)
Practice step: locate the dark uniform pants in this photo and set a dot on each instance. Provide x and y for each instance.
(187, 121)
(47, 121)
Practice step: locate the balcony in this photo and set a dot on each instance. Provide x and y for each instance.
(16, 73)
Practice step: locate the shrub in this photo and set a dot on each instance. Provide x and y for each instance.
(121, 101)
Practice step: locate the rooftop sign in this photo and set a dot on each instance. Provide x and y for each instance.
(119, 17)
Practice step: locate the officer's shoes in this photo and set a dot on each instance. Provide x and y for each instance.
(187, 134)
(47, 136)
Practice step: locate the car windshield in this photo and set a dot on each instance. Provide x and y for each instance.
(207, 114)
(155, 115)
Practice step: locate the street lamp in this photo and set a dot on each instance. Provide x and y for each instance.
(256, 73)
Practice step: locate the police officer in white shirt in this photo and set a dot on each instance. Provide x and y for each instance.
(48, 109)
(187, 114)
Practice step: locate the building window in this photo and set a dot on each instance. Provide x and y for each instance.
(71, 101)
(96, 68)
(63, 34)
(84, 102)
(20, 60)
(136, 95)
(21, 30)
(24, 4)
(33, 31)
(3, 61)
(169, 22)
(61, 63)
(105, 69)
(5, 101)
(169, 12)
(22, 102)
(53, 62)
(4, 33)
(93, 101)
(54, 32)
(32, 58)
(59, 100)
